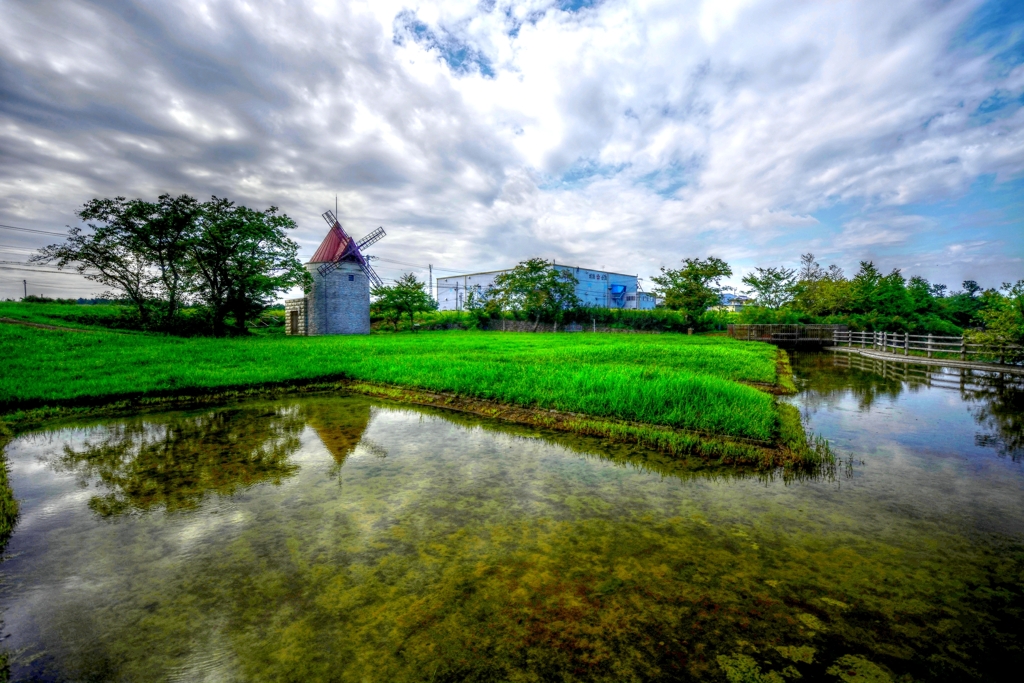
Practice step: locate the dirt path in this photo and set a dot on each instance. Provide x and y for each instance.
(41, 326)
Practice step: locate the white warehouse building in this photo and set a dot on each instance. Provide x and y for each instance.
(597, 288)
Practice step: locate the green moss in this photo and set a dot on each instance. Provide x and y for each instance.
(784, 373)
(857, 669)
(797, 653)
(741, 668)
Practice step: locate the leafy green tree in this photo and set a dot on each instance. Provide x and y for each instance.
(1003, 314)
(964, 307)
(241, 259)
(537, 289)
(407, 297)
(695, 287)
(772, 287)
(136, 247)
(165, 236)
(820, 292)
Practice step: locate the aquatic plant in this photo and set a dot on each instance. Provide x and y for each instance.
(471, 552)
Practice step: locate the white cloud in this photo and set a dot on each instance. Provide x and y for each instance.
(625, 134)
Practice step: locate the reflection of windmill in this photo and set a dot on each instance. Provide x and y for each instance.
(339, 300)
(348, 249)
(340, 424)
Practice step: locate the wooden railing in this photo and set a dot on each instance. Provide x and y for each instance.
(786, 334)
(932, 345)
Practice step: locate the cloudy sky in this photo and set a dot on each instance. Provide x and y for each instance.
(623, 135)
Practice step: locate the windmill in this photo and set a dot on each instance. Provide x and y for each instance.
(350, 250)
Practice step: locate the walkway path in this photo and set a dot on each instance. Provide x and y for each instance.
(921, 360)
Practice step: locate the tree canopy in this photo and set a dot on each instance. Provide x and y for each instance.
(772, 287)
(407, 297)
(536, 288)
(227, 261)
(695, 287)
(873, 300)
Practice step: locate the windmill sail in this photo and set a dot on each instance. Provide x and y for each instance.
(339, 246)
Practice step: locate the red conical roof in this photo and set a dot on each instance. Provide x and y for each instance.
(332, 247)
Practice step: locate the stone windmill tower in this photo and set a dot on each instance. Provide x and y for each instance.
(339, 302)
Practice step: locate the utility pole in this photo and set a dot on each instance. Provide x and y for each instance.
(430, 287)
(25, 283)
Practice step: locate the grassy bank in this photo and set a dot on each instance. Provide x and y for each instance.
(665, 383)
(8, 505)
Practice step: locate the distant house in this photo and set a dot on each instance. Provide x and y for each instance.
(733, 303)
(597, 288)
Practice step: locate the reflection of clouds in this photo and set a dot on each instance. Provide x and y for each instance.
(370, 447)
(454, 489)
(994, 401)
(41, 514)
(211, 660)
(201, 527)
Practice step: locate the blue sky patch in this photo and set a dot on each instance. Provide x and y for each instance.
(670, 179)
(581, 174)
(997, 27)
(460, 56)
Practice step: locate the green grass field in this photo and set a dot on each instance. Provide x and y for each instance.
(678, 381)
(88, 317)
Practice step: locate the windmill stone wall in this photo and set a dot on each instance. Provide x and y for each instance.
(339, 302)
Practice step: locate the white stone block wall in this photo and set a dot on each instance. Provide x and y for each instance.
(295, 309)
(339, 302)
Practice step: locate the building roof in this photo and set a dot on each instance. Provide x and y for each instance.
(556, 265)
(332, 247)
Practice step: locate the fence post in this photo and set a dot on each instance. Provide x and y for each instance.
(929, 344)
(963, 348)
(885, 342)
(906, 343)
(1002, 355)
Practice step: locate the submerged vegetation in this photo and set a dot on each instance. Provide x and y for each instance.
(671, 392)
(440, 557)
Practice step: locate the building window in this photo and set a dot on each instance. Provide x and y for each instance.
(351, 278)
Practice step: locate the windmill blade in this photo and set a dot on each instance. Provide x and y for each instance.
(327, 268)
(374, 236)
(329, 217)
(371, 275)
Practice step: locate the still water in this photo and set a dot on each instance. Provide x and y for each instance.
(339, 538)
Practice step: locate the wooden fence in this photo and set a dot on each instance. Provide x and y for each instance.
(930, 344)
(788, 335)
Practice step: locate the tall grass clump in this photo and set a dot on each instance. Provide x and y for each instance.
(674, 380)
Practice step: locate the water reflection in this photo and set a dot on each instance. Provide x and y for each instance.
(174, 461)
(994, 399)
(460, 548)
(340, 431)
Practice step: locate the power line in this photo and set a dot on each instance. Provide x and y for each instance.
(41, 232)
(37, 271)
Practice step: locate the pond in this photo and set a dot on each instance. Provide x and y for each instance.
(346, 539)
